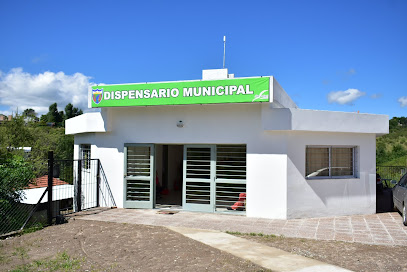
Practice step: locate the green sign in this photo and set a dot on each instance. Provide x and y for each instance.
(239, 90)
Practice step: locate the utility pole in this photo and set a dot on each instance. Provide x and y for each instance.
(224, 50)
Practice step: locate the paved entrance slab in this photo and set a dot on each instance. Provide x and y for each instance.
(265, 256)
(378, 229)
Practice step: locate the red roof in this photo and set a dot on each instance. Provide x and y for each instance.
(43, 182)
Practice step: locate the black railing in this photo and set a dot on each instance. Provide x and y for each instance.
(389, 173)
(87, 188)
(70, 186)
(105, 198)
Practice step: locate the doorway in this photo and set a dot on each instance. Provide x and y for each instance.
(195, 177)
(169, 178)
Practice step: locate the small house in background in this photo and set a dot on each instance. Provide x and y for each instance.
(27, 151)
(4, 118)
(201, 145)
(63, 193)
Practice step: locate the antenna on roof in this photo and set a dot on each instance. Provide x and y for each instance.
(224, 50)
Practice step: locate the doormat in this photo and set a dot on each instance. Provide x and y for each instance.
(167, 212)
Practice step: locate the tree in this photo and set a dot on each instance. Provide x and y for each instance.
(44, 118)
(29, 113)
(50, 138)
(17, 134)
(403, 121)
(68, 111)
(393, 123)
(53, 115)
(3, 145)
(15, 172)
(15, 175)
(381, 153)
(398, 151)
(61, 116)
(71, 111)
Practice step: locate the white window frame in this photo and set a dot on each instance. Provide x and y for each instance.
(355, 160)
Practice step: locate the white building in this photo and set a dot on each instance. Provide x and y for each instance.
(208, 142)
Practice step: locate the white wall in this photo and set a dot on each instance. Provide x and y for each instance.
(327, 197)
(210, 124)
(59, 192)
(279, 97)
(276, 187)
(214, 74)
(112, 161)
(267, 191)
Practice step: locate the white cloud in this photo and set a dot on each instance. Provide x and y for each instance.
(376, 96)
(38, 91)
(344, 97)
(403, 101)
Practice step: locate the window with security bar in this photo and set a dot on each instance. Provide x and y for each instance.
(84, 155)
(231, 177)
(330, 162)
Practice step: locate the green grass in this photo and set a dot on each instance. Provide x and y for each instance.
(400, 161)
(4, 259)
(234, 233)
(62, 262)
(391, 149)
(33, 228)
(21, 252)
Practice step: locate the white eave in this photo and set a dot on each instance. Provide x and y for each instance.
(294, 119)
(87, 122)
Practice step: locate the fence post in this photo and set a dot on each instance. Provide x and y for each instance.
(50, 178)
(98, 184)
(79, 184)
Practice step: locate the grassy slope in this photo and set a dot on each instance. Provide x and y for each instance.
(391, 149)
(401, 161)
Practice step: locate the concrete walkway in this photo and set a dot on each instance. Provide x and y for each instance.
(378, 229)
(265, 256)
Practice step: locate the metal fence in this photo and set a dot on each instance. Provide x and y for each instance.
(389, 173)
(14, 215)
(79, 185)
(75, 185)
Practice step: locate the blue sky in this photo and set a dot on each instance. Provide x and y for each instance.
(327, 55)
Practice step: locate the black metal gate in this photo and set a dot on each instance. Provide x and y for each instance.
(76, 185)
(70, 186)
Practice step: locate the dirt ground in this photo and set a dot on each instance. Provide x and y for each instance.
(352, 256)
(101, 246)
